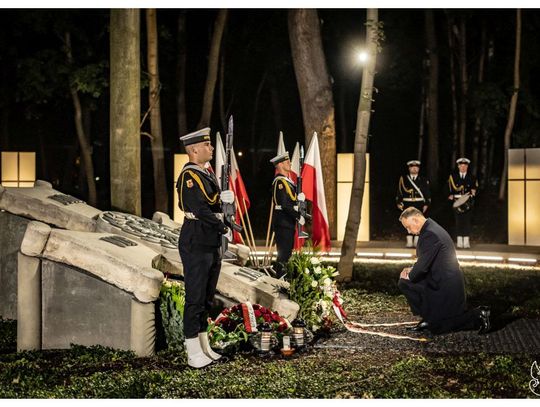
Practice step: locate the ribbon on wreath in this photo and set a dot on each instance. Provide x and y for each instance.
(250, 322)
(337, 305)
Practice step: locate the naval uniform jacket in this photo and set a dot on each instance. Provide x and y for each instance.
(437, 270)
(409, 196)
(459, 186)
(198, 197)
(284, 198)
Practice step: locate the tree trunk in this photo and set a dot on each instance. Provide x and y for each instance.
(451, 46)
(213, 62)
(421, 124)
(348, 247)
(125, 111)
(316, 98)
(84, 143)
(181, 75)
(255, 138)
(483, 163)
(433, 97)
(462, 38)
(161, 196)
(477, 121)
(512, 109)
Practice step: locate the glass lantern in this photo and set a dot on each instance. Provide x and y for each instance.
(299, 333)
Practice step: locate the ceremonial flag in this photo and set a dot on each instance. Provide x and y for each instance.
(236, 183)
(313, 188)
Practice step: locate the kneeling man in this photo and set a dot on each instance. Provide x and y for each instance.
(434, 286)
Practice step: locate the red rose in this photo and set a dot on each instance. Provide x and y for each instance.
(257, 313)
(267, 318)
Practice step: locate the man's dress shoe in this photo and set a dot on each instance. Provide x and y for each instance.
(421, 326)
(485, 324)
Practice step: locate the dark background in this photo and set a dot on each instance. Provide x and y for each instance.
(37, 112)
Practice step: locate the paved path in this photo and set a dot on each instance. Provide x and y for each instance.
(520, 336)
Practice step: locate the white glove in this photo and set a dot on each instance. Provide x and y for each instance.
(301, 197)
(295, 207)
(227, 197)
(229, 235)
(302, 221)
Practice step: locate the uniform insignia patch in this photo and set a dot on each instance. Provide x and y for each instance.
(280, 186)
(189, 183)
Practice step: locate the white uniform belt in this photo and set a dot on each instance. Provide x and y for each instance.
(458, 196)
(413, 199)
(277, 207)
(191, 216)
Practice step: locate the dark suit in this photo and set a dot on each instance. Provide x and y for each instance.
(199, 244)
(436, 289)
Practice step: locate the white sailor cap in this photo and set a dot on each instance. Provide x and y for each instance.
(280, 158)
(463, 160)
(198, 136)
(413, 162)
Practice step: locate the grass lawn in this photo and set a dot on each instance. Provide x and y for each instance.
(97, 372)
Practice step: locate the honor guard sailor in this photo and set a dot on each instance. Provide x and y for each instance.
(199, 244)
(286, 213)
(413, 191)
(463, 185)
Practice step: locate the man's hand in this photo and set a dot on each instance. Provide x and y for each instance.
(302, 221)
(301, 197)
(227, 197)
(405, 273)
(451, 197)
(473, 192)
(400, 206)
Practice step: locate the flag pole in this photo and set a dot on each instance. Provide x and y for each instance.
(249, 227)
(251, 248)
(268, 229)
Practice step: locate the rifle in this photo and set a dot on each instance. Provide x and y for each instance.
(302, 207)
(229, 210)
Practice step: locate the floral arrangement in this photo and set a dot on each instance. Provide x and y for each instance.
(235, 325)
(313, 288)
(172, 298)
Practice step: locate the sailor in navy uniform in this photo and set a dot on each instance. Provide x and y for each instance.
(285, 211)
(199, 244)
(462, 182)
(413, 190)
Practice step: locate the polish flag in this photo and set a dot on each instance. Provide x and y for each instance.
(313, 188)
(236, 183)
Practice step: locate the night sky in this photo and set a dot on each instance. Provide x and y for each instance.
(36, 111)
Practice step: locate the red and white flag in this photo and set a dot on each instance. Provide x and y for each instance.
(313, 188)
(236, 183)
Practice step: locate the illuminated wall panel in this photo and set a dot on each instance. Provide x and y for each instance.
(345, 171)
(532, 213)
(18, 169)
(179, 161)
(524, 196)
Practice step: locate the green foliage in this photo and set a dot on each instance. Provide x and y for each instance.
(172, 300)
(312, 286)
(91, 79)
(228, 341)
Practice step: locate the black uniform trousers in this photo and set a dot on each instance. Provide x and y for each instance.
(201, 272)
(463, 223)
(414, 292)
(284, 242)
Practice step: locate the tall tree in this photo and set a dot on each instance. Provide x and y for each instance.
(478, 121)
(82, 137)
(213, 62)
(464, 80)
(316, 97)
(512, 108)
(451, 45)
(374, 37)
(161, 196)
(181, 37)
(125, 108)
(433, 100)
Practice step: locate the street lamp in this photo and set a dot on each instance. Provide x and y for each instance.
(362, 57)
